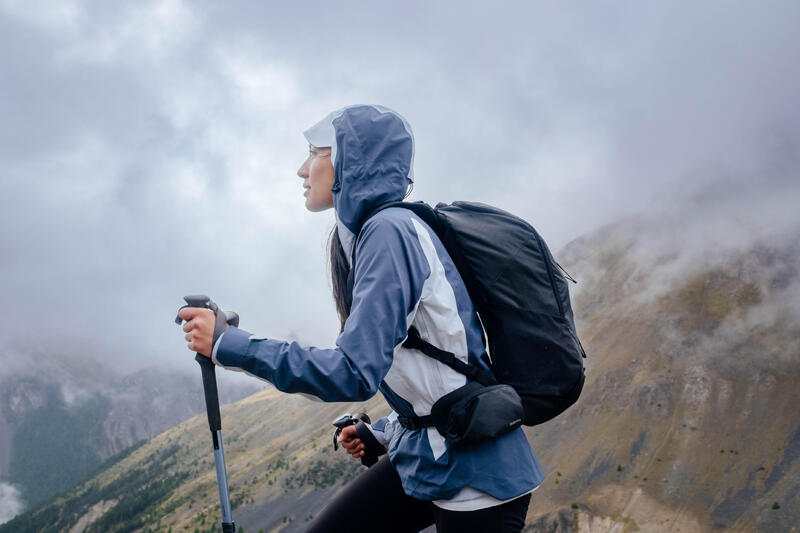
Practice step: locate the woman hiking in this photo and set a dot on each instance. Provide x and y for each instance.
(359, 158)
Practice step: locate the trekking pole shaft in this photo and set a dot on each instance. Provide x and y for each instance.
(222, 481)
(215, 424)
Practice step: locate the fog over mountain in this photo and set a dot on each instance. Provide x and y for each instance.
(10, 502)
(148, 149)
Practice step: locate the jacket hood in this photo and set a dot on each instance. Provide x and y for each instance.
(372, 149)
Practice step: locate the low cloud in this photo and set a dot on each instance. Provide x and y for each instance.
(10, 503)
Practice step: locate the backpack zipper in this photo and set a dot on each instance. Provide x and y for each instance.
(566, 274)
(546, 258)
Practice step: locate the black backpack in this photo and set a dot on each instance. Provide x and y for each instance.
(522, 300)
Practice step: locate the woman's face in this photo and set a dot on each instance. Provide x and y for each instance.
(317, 175)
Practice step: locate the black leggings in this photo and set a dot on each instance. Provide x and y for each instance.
(375, 501)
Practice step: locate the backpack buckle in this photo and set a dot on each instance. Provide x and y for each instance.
(409, 422)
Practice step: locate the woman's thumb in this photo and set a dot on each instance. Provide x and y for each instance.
(348, 433)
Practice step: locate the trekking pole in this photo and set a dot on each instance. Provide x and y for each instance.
(212, 408)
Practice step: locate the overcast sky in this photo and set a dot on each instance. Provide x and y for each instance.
(148, 149)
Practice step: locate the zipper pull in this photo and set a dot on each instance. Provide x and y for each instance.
(566, 274)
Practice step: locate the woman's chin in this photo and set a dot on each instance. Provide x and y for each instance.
(315, 207)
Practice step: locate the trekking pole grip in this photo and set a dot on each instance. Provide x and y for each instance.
(210, 390)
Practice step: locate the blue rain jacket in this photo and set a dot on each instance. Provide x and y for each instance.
(403, 276)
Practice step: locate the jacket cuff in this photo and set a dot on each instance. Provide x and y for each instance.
(230, 349)
(382, 429)
(215, 348)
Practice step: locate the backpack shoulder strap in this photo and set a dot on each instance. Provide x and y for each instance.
(475, 373)
(421, 209)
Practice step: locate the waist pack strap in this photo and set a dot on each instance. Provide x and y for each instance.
(415, 342)
(417, 422)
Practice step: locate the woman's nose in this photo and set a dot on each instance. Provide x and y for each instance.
(302, 172)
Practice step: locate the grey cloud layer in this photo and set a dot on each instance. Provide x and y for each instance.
(148, 150)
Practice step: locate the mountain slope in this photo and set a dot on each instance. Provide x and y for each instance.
(687, 420)
(62, 416)
(280, 463)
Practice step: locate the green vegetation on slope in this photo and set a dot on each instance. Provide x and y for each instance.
(56, 445)
(708, 298)
(326, 471)
(136, 494)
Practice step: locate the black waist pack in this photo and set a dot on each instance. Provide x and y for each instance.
(475, 412)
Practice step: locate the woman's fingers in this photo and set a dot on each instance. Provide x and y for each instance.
(199, 329)
(357, 452)
(352, 445)
(350, 442)
(348, 436)
(348, 432)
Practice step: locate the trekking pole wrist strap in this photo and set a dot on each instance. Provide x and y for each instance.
(220, 325)
(372, 447)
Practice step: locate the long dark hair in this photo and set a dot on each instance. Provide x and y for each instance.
(340, 270)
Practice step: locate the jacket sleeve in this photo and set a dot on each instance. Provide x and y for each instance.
(383, 428)
(391, 269)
